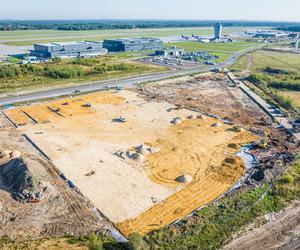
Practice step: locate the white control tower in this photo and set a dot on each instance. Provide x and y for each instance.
(218, 31)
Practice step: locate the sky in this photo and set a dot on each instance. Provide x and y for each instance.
(272, 10)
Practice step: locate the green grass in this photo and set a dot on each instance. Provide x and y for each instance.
(222, 50)
(216, 47)
(292, 95)
(280, 86)
(264, 58)
(37, 36)
(88, 242)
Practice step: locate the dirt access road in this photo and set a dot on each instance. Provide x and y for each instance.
(282, 231)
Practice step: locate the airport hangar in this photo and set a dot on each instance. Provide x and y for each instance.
(132, 44)
(89, 49)
(68, 49)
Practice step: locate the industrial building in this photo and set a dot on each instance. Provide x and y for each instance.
(133, 44)
(270, 35)
(174, 51)
(68, 49)
(218, 30)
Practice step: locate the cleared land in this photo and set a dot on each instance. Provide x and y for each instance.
(29, 37)
(138, 194)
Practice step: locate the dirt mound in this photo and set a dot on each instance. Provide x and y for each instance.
(233, 146)
(230, 161)
(230, 170)
(185, 179)
(16, 175)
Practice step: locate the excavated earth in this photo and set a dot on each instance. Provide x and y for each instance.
(60, 209)
(137, 192)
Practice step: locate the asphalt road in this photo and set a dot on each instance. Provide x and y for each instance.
(129, 82)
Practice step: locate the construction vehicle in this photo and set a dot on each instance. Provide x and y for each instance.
(118, 87)
(33, 201)
(236, 129)
(87, 105)
(263, 144)
(121, 119)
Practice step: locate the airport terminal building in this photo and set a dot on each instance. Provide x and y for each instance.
(68, 50)
(133, 44)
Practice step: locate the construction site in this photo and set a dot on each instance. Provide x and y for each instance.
(138, 159)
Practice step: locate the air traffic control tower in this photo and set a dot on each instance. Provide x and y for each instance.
(218, 31)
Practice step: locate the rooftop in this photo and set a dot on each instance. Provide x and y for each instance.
(66, 43)
(139, 39)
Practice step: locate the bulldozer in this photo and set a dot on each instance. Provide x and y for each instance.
(263, 144)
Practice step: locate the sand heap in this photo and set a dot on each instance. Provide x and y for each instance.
(184, 178)
(137, 153)
(8, 154)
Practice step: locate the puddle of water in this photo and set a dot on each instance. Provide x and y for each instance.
(249, 159)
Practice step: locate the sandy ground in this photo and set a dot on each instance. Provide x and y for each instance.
(193, 148)
(138, 195)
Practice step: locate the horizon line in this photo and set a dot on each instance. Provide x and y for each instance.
(161, 19)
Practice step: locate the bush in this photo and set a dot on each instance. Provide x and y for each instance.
(288, 179)
(94, 243)
(285, 102)
(63, 73)
(86, 61)
(56, 60)
(114, 67)
(136, 242)
(276, 71)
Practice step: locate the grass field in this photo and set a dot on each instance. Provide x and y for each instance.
(263, 58)
(222, 50)
(34, 36)
(289, 63)
(293, 95)
(218, 47)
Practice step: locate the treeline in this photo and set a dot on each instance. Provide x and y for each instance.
(114, 67)
(291, 29)
(62, 71)
(101, 67)
(18, 71)
(127, 24)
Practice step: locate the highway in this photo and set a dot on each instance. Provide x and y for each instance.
(125, 82)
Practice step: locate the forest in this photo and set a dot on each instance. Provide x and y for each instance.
(129, 24)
